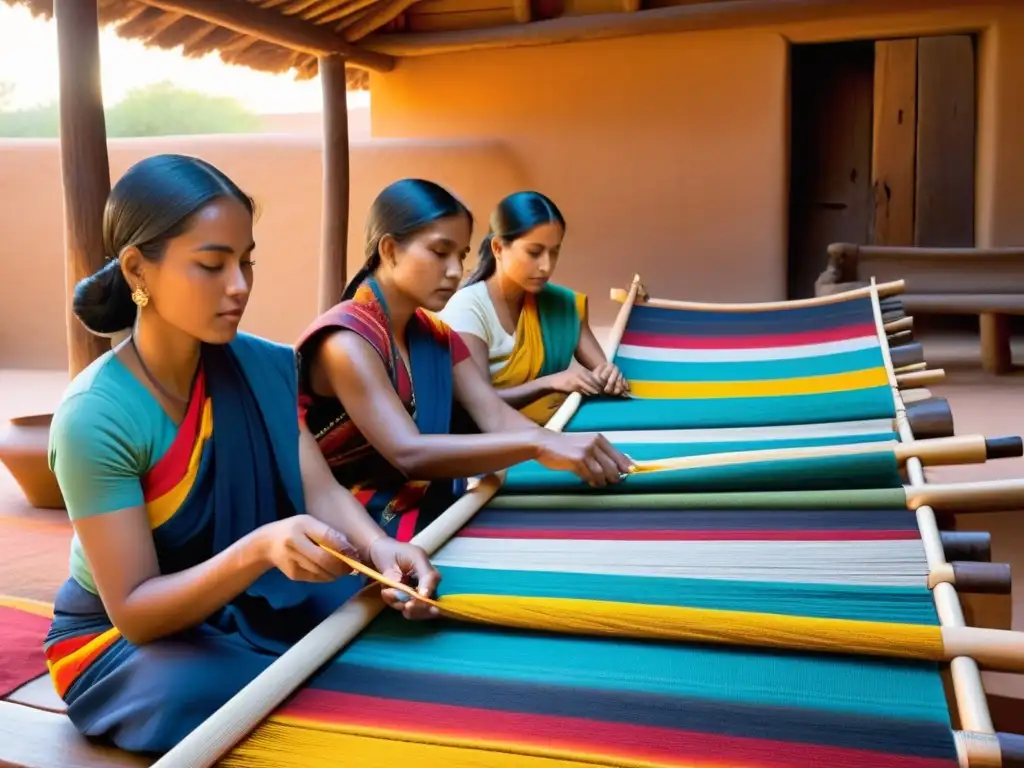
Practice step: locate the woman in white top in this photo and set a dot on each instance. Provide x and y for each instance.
(529, 334)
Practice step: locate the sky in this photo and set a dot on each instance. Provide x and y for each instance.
(28, 61)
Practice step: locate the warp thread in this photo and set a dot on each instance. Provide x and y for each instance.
(666, 622)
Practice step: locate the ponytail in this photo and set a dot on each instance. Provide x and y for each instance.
(514, 217)
(103, 301)
(364, 272)
(486, 263)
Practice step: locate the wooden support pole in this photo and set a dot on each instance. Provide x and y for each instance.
(84, 165)
(996, 356)
(334, 224)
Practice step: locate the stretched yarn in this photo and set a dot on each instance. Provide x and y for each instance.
(663, 622)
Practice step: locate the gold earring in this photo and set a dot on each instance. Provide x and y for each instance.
(140, 297)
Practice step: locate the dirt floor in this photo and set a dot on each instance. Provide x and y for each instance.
(35, 542)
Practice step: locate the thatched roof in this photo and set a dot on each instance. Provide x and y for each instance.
(163, 25)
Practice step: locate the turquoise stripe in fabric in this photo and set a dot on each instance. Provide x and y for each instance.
(643, 451)
(614, 414)
(756, 370)
(870, 470)
(904, 605)
(872, 498)
(868, 686)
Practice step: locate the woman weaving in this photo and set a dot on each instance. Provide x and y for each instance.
(529, 335)
(379, 375)
(197, 498)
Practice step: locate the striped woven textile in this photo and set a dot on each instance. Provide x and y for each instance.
(690, 369)
(829, 538)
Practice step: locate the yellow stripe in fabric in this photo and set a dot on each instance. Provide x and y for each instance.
(669, 622)
(37, 607)
(702, 625)
(84, 652)
(808, 385)
(162, 509)
(287, 742)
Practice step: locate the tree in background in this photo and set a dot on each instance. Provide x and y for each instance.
(160, 109)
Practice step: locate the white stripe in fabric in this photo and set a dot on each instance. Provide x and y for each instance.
(878, 563)
(662, 354)
(756, 434)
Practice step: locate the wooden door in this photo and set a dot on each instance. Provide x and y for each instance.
(830, 183)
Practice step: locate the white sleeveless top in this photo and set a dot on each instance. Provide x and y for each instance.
(471, 310)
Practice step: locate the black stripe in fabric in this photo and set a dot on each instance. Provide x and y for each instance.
(787, 724)
(669, 321)
(697, 520)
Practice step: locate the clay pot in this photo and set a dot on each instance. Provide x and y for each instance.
(24, 450)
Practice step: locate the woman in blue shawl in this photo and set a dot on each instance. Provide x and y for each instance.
(197, 497)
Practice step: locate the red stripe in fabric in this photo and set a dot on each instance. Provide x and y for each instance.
(669, 341)
(407, 526)
(171, 467)
(480, 532)
(63, 648)
(664, 745)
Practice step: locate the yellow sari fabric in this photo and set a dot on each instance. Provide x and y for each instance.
(530, 358)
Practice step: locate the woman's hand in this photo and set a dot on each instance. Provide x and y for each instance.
(576, 380)
(291, 546)
(403, 563)
(611, 378)
(589, 455)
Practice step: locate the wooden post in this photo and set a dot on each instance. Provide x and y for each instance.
(996, 355)
(84, 165)
(334, 225)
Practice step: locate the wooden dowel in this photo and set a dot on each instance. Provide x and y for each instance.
(989, 750)
(920, 378)
(899, 326)
(893, 288)
(931, 418)
(975, 546)
(900, 337)
(963, 449)
(900, 370)
(916, 395)
(906, 354)
(979, 496)
(995, 649)
(974, 578)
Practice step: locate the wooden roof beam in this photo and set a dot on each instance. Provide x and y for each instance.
(272, 27)
(691, 17)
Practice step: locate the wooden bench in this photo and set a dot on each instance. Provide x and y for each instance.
(35, 733)
(988, 282)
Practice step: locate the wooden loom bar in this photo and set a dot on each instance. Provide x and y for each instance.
(272, 27)
(962, 449)
(893, 288)
(969, 692)
(84, 164)
(334, 215)
(690, 17)
(204, 746)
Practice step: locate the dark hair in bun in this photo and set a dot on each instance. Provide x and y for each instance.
(152, 203)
